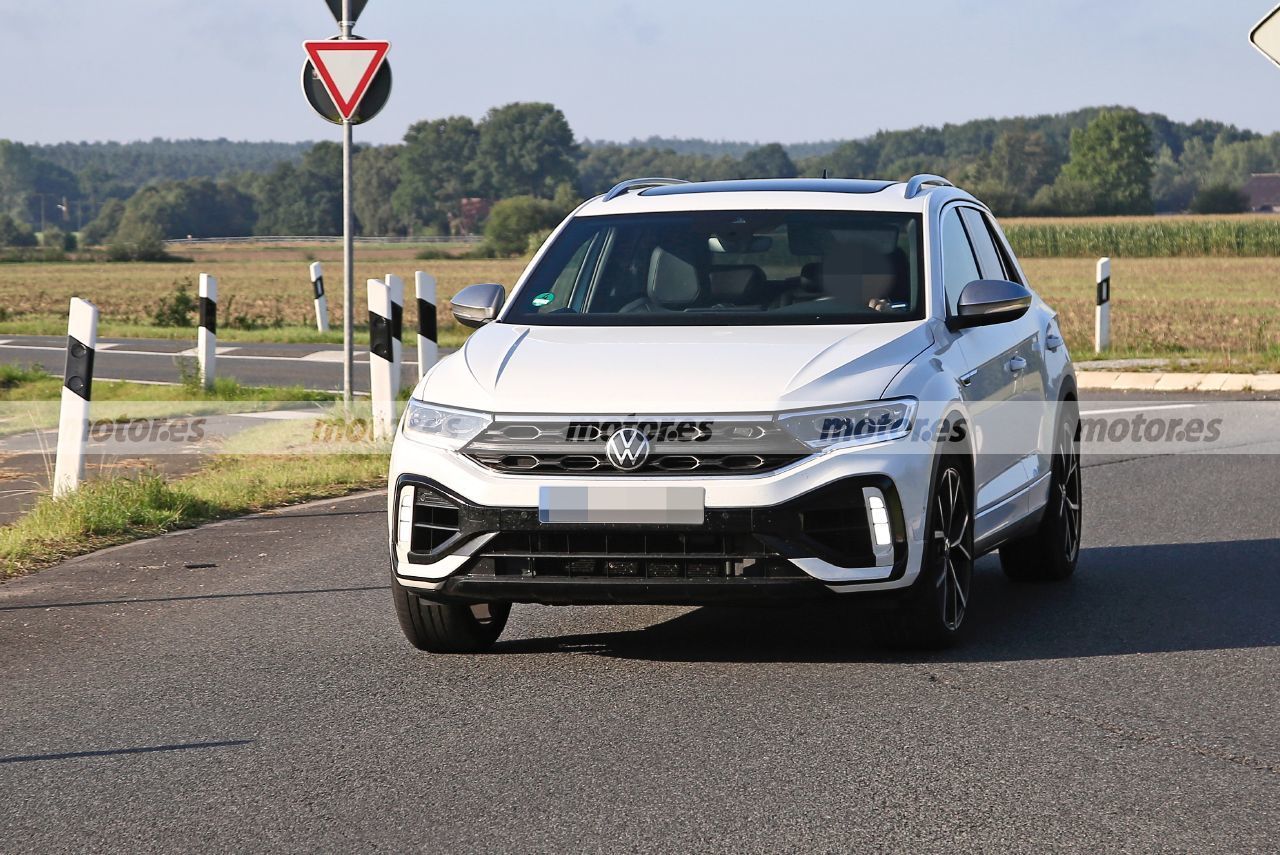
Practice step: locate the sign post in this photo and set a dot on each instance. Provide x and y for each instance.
(1102, 316)
(321, 301)
(347, 81)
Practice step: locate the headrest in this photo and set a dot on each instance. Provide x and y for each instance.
(741, 285)
(811, 277)
(673, 282)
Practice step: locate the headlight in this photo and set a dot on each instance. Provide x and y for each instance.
(854, 424)
(441, 425)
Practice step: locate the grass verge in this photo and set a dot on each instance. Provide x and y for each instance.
(111, 511)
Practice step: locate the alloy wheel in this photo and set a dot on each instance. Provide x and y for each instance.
(953, 548)
(1067, 466)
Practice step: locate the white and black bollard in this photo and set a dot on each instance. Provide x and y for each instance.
(77, 389)
(381, 356)
(322, 302)
(207, 337)
(1102, 318)
(428, 346)
(396, 286)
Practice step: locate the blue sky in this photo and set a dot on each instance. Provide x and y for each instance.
(720, 69)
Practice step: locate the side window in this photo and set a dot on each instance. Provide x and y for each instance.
(1010, 269)
(958, 265)
(983, 246)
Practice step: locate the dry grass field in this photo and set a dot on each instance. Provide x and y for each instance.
(264, 291)
(1223, 313)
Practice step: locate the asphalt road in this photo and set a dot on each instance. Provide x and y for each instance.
(244, 687)
(311, 366)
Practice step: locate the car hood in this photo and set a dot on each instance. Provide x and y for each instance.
(509, 368)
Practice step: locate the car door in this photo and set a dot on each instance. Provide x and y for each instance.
(995, 357)
(1036, 407)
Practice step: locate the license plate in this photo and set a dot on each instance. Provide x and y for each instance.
(625, 505)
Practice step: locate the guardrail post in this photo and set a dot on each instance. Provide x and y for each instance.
(322, 302)
(1102, 316)
(396, 286)
(77, 389)
(381, 356)
(428, 348)
(207, 337)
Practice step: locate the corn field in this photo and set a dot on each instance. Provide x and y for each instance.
(1255, 236)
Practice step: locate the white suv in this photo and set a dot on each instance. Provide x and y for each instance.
(744, 391)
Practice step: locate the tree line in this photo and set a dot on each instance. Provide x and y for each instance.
(451, 175)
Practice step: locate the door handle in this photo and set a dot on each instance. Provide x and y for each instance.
(1016, 365)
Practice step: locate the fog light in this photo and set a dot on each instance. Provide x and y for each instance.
(878, 525)
(404, 527)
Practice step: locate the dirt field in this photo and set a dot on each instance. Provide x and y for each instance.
(1223, 312)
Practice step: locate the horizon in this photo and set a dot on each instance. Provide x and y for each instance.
(642, 141)
(1182, 59)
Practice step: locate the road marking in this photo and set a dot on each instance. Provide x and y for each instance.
(139, 382)
(1140, 409)
(222, 351)
(280, 415)
(172, 354)
(330, 356)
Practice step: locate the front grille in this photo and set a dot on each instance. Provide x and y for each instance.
(678, 446)
(669, 464)
(436, 520)
(829, 523)
(635, 554)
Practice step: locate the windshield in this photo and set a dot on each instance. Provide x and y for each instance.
(728, 267)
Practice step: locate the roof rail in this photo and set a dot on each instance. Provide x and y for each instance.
(919, 182)
(640, 184)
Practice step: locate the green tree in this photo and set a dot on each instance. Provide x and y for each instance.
(1111, 159)
(196, 207)
(767, 161)
(305, 199)
(525, 149)
(137, 241)
(14, 233)
(1220, 199)
(437, 170)
(100, 229)
(375, 180)
(852, 159)
(513, 221)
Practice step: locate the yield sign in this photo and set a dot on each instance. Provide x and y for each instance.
(347, 68)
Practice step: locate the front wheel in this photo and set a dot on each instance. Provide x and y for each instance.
(1051, 553)
(448, 627)
(935, 607)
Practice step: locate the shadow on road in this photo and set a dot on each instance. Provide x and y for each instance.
(1123, 600)
(116, 752)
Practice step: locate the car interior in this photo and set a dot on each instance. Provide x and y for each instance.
(736, 263)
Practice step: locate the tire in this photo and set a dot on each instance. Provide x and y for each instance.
(448, 627)
(933, 612)
(1050, 554)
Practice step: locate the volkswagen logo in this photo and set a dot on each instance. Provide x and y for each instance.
(628, 449)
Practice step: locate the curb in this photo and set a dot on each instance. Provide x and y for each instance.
(1172, 381)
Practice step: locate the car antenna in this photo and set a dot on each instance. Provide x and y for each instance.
(824, 173)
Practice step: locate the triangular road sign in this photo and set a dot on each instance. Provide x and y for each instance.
(347, 68)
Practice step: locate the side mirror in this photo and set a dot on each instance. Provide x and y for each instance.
(989, 301)
(477, 305)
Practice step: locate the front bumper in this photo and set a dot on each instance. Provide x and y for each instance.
(753, 544)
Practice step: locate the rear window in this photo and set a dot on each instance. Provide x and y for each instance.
(728, 267)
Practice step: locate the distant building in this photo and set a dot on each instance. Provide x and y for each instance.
(1263, 191)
